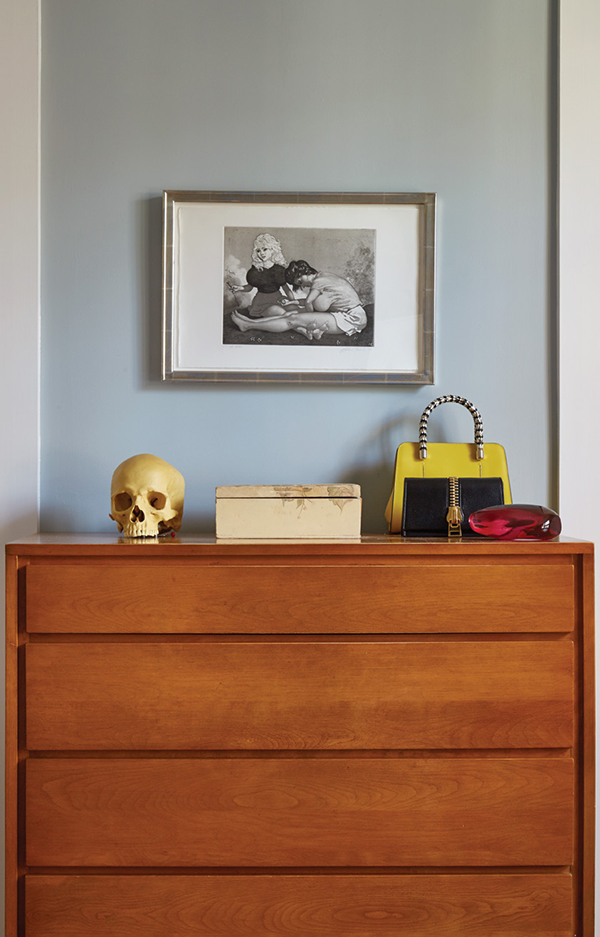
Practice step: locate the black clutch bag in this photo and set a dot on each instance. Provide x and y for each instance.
(441, 507)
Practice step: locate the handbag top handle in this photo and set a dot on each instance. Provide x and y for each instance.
(450, 398)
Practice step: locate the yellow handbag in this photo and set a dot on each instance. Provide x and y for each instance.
(442, 460)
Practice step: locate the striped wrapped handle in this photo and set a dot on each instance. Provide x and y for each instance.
(450, 398)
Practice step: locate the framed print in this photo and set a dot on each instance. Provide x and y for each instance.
(298, 287)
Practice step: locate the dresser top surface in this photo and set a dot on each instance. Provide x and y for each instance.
(108, 544)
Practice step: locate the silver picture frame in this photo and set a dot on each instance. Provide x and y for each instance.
(225, 319)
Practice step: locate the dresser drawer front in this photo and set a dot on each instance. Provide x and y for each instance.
(292, 695)
(320, 906)
(299, 812)
(310, 599)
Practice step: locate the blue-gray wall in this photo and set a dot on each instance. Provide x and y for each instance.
(445, 96)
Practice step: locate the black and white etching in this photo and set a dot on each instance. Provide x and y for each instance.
(299, 286)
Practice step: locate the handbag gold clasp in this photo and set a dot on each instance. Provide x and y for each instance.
(454, 516)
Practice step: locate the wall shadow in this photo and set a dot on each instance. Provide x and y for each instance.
(149, 219)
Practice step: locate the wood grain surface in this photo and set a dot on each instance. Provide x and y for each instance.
(13, 844)
(299, 599)
(88, 545)
(344, 695)
(299, 812)
(381, 738)
(299, 906)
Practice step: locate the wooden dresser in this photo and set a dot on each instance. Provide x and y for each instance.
(379, 738)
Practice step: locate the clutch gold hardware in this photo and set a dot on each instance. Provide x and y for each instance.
(454, 515)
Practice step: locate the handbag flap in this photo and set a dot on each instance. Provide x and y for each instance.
(426, 502)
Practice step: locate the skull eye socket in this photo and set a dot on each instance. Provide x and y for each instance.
(157, 500)
(123, 501)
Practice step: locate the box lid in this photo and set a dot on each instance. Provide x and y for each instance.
(288, 491)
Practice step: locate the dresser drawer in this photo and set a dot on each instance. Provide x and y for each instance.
(302, 599)
(299, 812)
(298, 906)
(295, 695)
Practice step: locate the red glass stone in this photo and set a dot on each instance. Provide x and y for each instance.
(516, 522)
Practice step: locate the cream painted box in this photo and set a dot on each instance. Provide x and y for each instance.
(288, 511)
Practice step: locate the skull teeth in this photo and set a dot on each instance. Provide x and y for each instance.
(140, 529)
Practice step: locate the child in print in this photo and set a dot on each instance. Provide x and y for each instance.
(332, 305)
